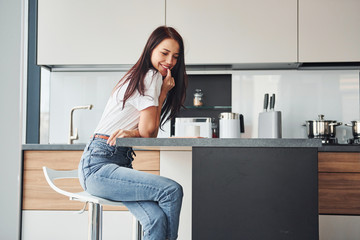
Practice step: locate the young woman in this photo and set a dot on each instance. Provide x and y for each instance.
(149, 94)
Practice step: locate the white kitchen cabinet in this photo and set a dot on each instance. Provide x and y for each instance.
(329, 30)
(236, 31)
(60, 225)
(339, 227)
(177, 165)
(95, 32)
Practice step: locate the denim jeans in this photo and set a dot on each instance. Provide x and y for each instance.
(106, 171)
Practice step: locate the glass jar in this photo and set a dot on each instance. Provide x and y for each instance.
(198, 98)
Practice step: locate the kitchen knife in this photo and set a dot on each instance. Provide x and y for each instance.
(266, 101)
(272, 102)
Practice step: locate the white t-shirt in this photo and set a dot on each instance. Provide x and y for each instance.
(116, 117)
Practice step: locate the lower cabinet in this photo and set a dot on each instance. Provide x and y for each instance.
(60, 225)
(49, 215)
(339, 183)
(38, 195)
(339, 227)
(339, 195)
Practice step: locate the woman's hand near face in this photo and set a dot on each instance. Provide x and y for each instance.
(121, 133)
(168, 83)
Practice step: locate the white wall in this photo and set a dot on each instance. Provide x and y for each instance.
(11, 74)
(70, 89)
(300, 96)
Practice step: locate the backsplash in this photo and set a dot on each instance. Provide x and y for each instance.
(70, 89)
(300, 96)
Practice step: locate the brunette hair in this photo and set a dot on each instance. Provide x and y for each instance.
(135, 76)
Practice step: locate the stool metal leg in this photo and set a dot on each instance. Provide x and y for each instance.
(137, 230)
(95, 221)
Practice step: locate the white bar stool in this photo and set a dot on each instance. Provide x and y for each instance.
(95, 203)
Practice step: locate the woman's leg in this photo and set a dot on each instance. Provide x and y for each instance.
(154, 200)
(152, 218)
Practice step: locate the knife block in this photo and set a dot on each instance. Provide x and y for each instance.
(270, 125)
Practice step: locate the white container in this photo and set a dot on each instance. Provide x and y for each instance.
(193, 127)
(229, 125)
(270, 124)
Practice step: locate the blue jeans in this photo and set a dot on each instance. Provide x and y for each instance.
(106, 171)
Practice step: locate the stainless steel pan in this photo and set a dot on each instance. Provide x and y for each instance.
(321, 128)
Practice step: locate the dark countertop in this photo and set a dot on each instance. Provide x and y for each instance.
(340, 148)
(55, 147)
(186, 143)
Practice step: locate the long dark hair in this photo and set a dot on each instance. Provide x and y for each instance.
(135, 76)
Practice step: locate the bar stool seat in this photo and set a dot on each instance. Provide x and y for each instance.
(95, 203)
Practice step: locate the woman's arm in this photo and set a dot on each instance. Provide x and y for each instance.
(150, 117)
(121, 133)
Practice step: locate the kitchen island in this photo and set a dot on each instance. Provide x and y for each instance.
(242, 188)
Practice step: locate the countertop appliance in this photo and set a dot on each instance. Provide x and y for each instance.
(184, 125)
(231, 125)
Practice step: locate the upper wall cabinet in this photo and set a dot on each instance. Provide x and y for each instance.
(329, 30)
(95, 32)
(236, 31)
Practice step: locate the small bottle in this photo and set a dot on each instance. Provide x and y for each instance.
(215, 133)
(214, 128)
(198, 98)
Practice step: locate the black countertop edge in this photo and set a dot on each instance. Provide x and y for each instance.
(339, 148)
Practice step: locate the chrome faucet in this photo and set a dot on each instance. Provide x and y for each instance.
(73, 137)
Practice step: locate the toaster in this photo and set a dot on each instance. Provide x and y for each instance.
(184, 123)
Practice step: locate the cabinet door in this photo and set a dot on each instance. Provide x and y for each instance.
(339, 193)
(60, 225)
(329, 30)
(38, 195)
(236, 31)
(95, 32)
(339, 181)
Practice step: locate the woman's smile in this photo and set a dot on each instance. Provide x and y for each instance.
(165, 55)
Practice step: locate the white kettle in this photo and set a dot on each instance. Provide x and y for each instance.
(231, 125)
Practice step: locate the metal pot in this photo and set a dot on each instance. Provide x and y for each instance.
(355, 128)
(324, 129)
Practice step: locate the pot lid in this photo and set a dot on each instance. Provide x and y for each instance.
(321, 119)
